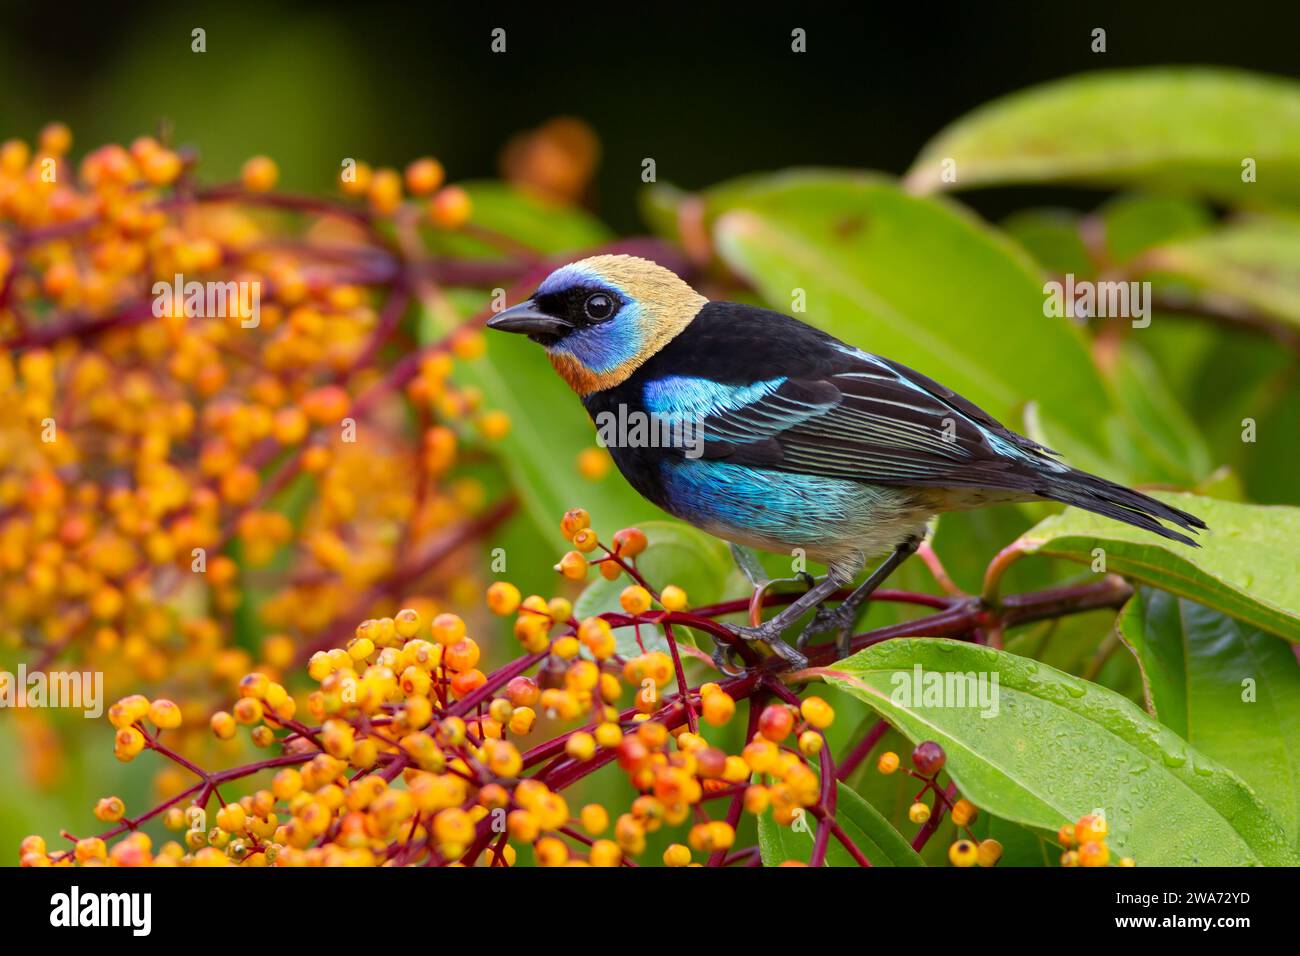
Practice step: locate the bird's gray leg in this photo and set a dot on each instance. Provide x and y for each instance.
(747, 561)
(840, 619)
(770, 631)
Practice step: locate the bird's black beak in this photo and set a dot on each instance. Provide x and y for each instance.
(529, 320)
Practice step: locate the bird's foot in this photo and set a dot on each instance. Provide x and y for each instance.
(838, 620)
(766, 635)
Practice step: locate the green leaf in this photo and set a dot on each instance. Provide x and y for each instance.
(1173, 129)
(1252, 265)
(913, 279)
(1059, 747)
(1052, 237)
(1229, 689)
(1134, 223)
(675, 554)
(861, 822)
(1248, 566)
(1169, 447)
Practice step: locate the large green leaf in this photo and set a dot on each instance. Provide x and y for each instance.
(675, 554)
(861, 822)
(1059, 747)
(1252, 265)
(1166, 446)
(1248, 567)
(915, 280)
(1174, 129)
(1229, 689)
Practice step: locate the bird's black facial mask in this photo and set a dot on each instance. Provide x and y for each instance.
(549, 317)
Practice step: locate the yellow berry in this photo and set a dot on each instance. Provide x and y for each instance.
(223, 725)
(963, 853)
(110, 809)
(635, 599)
(677, 854)
(503, 598)
(888, 762)
(165, 714)
(673, 598)
(817, 712)
(918, 812)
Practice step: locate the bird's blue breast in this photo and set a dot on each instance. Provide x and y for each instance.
(778, 511)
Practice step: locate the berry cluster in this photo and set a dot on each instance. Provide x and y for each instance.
(197, 381)
(404, 752)
(1085, 843)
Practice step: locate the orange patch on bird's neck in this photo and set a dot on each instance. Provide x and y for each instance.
(582, 379)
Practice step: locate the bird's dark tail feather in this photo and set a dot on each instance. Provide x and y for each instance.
(1104, 497)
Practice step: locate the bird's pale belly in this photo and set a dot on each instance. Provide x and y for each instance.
(831, 520)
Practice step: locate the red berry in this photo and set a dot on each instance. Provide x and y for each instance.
(928, 758)
(776, 722)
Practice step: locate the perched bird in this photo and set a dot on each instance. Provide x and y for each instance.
(788, 437)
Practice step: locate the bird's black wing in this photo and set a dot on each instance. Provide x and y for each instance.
(872, 420)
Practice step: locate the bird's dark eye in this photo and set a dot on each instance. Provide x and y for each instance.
(599, 306)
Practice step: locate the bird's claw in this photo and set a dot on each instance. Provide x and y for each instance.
(771, 638)
(838, 621)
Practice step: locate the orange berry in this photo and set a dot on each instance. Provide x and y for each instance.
(447, 629)
(1090, 828)
(503, 598)
(888, 762)
(385, 192)
(573, 566)
(963, 812)
(635, 599)
(990, 851)
(629, 542)
(110, 809)
(450, 208)
(1093, 853)
(574, 521)
(259, 174)
(718, 708)
(423, 176)
(593, 463)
